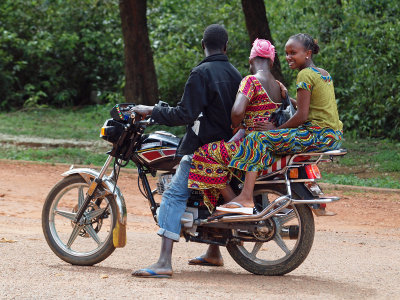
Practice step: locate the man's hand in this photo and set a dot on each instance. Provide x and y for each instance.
(284, 91)
(142, 110)
(264, 126)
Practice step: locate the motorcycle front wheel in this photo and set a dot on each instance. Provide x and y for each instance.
(282, 251)
(87, 243)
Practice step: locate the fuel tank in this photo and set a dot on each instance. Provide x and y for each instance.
(158, 150)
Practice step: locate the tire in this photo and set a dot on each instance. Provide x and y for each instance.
(291, 258)
(92, 243)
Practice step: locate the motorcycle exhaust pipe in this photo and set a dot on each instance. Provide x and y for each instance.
(282, 202)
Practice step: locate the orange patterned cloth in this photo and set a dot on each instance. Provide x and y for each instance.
(209, 171)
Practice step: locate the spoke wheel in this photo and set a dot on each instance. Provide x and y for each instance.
(91, 240)
(280, 245)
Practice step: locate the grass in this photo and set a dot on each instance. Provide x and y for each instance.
(352, 179)
(369, 162)
(53, 155)
(79, 124)
(373, 154)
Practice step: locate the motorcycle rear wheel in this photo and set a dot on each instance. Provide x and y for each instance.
(84, 245)
(276, 256)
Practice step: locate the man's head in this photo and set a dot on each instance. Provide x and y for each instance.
(215, 39)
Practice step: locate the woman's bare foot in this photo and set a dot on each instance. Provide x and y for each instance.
(245, 200)
(206, 261)
(212, 258)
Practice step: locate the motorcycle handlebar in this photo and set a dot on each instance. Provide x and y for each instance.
(137, 119)
(147, 122)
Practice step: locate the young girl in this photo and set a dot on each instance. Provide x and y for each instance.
(314, 127)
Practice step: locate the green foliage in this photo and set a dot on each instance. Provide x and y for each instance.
(176, 28)
(359, 48)
(59, 53)
(358, 39)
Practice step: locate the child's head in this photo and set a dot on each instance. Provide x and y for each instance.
(300, 49)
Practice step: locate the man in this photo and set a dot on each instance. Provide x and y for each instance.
(205, 108)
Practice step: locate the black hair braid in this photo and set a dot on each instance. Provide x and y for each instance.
(307, 41)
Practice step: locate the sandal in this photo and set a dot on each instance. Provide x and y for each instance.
(148, 273)
(239, 209)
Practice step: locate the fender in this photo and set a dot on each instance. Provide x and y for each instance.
(119, 232)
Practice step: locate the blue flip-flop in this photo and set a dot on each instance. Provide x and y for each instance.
(148, 273)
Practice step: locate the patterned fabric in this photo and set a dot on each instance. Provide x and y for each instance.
(259, 150)
(209, 171)
(304, 86)
(260, 105)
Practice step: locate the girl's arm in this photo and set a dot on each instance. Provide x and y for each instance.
(239, 109)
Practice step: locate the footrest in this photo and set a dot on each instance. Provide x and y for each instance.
(316, 201)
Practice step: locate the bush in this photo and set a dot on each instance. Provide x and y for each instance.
(359, 48)
(176, 28)
(59, 53)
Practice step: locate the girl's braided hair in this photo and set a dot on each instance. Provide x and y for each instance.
(307, 41)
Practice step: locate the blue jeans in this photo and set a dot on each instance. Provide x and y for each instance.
(173, 203)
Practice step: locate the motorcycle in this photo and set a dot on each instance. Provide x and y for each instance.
(84, 216)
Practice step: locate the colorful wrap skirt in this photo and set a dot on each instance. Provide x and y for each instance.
(209, 170)
(259, 150)
(214, 164)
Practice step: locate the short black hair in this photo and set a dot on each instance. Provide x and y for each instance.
(307, 41)
(215, 37)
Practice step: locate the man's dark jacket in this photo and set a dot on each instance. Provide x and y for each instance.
(208, 98)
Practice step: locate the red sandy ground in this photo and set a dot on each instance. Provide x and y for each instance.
(356, 254)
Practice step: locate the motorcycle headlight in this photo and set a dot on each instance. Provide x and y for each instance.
(111, 131)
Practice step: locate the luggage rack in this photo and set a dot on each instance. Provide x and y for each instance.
(302, 159)
(316, 157)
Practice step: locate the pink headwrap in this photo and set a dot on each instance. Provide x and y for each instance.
(262, 48)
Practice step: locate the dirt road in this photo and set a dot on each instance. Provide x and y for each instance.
(356, 254)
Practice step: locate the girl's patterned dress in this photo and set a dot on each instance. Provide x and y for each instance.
(321, 132)
(209, 171)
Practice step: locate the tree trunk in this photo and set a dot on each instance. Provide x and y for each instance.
(140, 75)
(257, 27)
